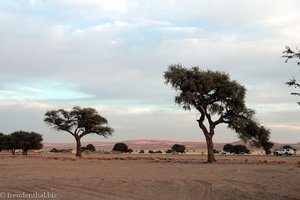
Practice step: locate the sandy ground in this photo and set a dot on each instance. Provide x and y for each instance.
(147, 177)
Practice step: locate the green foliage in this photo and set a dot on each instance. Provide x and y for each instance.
(54, 150)
(228, 148)
(23, 140)
(260, 135)
(291, 54)
(267, 146)
(78, 122)
(1, 141)
(178, 148)
(217, 98)
(169, 151)
(208, 91)
(5, 142)
(122, 147)
(129, 150)
(237, 149)
(89, 147)
(142, 151)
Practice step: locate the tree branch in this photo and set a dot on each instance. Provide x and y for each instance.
(219, 121)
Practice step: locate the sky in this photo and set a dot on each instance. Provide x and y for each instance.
(111, 55)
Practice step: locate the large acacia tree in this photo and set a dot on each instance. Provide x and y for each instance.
(217, 98)
(78, 122)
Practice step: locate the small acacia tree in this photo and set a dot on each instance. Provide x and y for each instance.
(217, 98)
(78, 122)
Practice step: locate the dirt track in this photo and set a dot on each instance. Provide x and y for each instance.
(130, 177)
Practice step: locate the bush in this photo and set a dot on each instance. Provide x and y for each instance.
(89, 147)
(217, 151)
(129, 150)
(142, 151)
(240, 149)
(178, 148)
(228, 148)
(169, 151)
(122, 147)
(150, 151)
(54, 150)
(237, 149)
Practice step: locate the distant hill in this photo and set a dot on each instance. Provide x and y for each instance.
(153, 145)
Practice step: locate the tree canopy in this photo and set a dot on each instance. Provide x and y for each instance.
(217, 98)
(78, 122)
(21, 140)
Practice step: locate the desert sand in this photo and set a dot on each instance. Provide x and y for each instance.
(147, 177)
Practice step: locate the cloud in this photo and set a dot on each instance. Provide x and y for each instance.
(114, 53)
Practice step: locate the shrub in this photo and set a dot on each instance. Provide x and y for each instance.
(169, 151)
(237, 149)
(178, 148)
(240, 149)
(122, 147)
(142, 151)
(130, 150)
(89, 147)
(228, 148)
(216, 151)
(54, 150)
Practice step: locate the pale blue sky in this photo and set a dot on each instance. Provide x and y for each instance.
(111, 55)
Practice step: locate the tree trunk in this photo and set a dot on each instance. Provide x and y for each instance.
(78, 147)
(13, 151)
(210, 150)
